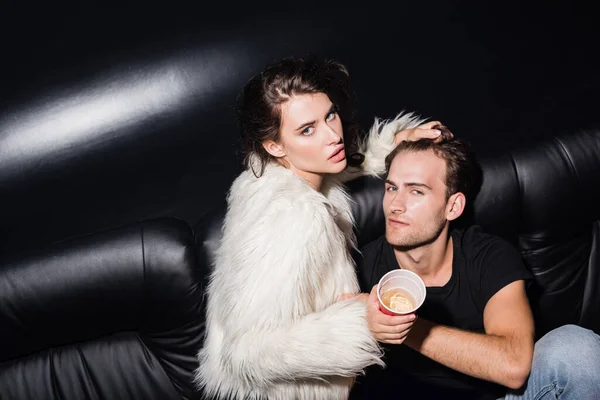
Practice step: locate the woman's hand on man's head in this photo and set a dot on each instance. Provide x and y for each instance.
(424, 131)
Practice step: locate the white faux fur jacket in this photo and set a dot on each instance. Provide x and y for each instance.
(274, 329)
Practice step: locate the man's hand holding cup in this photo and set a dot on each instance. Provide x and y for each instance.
(392, 305)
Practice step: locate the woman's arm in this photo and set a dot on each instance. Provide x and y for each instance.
(335, 341)
(270, 276)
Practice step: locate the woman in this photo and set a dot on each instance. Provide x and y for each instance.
(279, 322)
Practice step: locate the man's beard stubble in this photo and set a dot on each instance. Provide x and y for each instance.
(424, 237)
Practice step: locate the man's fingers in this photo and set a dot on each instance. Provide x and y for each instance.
(388, 337)
(398, 341)
(392, 330)
(389, 320)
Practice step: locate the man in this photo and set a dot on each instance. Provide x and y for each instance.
(474, 335)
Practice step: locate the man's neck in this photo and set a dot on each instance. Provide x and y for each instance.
(432, 262)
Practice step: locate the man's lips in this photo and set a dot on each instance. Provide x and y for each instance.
(397, 222)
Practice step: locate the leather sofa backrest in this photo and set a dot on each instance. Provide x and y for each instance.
(545, 199)
(110, 117)
(116, 314)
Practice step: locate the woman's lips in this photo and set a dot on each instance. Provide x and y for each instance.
(338, 156)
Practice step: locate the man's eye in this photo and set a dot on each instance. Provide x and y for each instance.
(415, 191)
(391, 188)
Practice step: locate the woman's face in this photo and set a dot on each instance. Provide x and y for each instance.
(311, 140)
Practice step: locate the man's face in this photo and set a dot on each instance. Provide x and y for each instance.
(415, 201)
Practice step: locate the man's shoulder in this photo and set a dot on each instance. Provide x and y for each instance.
(474, 238)
(489, 251)
(491, 261)
(373, 247)
(370, 263)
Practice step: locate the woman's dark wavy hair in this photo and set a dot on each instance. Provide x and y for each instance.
(259, 103)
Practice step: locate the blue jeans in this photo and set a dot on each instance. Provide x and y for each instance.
(566, 365)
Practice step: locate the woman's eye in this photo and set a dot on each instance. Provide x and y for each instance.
(331, 116)
(308, 131)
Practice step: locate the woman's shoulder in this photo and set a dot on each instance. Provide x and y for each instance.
(276, 187)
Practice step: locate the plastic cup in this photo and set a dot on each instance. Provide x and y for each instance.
(400, 292)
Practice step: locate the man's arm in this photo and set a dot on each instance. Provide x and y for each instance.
(502, 355)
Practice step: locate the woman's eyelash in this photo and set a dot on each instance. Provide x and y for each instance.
(307, 131)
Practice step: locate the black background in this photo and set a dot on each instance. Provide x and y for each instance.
(500, 74)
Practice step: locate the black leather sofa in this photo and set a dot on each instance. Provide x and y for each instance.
(544, 200)
(117, 147)
(109, 315)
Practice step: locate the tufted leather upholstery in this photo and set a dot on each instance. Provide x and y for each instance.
(545, 200)
(111, 315)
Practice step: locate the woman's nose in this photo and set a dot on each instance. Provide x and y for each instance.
(334, 137)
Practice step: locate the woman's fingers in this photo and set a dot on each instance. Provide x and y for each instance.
(425, 133)
(357, 296)
(416, 134)
(429, 130)
(429, 125)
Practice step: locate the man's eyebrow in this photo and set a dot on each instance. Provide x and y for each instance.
(304, 125)
(416, 184)
(408, 184)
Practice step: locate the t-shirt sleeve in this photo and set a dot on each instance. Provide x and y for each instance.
(361, 271)
(368, 264)
(500, 265)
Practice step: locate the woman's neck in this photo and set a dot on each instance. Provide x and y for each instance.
(315, 180)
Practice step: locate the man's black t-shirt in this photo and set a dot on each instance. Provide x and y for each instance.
(482, 265)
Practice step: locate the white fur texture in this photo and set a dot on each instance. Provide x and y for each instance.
(273, 327)
(380, 142)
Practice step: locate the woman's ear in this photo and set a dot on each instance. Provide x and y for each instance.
(273, 148)
(455, 206)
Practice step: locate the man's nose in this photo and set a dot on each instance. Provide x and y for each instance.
(398, 205)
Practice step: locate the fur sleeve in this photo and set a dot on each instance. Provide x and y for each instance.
(261, 323)
(379, 142)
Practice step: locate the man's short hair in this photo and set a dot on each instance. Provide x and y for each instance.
(460, 161)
